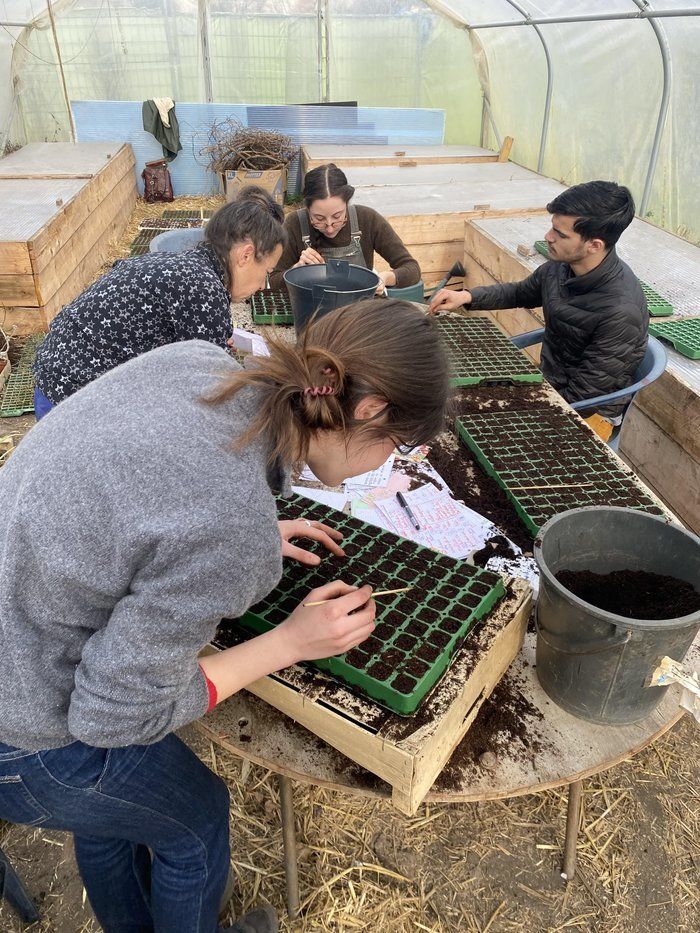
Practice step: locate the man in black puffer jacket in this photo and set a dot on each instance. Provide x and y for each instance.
(595, 313)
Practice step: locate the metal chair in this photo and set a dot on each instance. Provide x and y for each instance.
(12, 889)
(652, 366)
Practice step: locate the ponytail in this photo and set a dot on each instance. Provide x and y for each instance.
(389, 349)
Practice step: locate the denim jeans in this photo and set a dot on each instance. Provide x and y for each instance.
(150, 824)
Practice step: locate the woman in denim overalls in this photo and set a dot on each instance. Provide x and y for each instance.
(330, 227)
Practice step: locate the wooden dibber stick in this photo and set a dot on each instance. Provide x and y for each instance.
(320, 602)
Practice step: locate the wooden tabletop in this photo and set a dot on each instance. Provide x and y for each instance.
(553, 750)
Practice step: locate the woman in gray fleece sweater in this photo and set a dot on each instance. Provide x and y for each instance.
(135, 516)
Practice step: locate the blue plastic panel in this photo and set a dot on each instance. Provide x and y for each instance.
(98, 120)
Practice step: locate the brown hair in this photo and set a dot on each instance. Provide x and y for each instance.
(326, 181)
(255, 216)
(387, 348)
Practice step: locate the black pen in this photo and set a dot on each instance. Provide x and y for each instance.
(404, 505)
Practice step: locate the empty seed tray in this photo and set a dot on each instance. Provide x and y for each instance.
(271, 306)
(18, 398)
(481, 355)
(684, 334)
(657, 305)
(547, 463)
(416, 632)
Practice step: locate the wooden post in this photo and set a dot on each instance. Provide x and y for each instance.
(504, 154)
(290, 844)
(61, 72)
(573, 818)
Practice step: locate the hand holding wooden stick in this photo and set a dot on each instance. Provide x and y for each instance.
(403, 589)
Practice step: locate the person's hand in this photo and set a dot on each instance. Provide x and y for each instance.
(310, 257)
(336, 626)
(387, 279)
(315, 531)
(446, 300)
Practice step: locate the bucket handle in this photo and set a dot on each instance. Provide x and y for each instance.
(324, 299)
(603, 646)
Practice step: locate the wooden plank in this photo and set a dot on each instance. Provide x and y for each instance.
(23, 320)
(674, 406)
(78, 249)
(504, 153)
(663, 464)
(358, 156)
(57, 232)
(15, 259)
(432, 258)
(84, 273)
(442, 226)
(45, 177)
(18, 291)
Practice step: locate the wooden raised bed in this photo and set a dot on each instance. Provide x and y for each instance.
(63, 204)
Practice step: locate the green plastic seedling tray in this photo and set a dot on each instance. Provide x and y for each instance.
(548, 462)
(416, 632)
(18, 398)
(172, 220)
(684, 334)
(658, 306)
(481, 355)
(271, 306)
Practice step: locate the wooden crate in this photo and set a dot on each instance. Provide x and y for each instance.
(64, 204)
(407, 753)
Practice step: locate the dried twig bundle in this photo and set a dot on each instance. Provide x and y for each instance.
(233, 146)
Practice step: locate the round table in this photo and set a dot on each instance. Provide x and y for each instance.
(554, 749)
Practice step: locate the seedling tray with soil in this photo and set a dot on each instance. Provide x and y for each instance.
(150, 227)
(18, 398)
(684, 334)
(548, 462)
(271, 306)
(481, 355)
(416, 633)
(657, 305)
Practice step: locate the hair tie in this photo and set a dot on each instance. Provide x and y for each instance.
(319, 390)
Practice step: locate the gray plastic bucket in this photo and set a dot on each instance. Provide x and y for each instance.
(323, 288)
(176, 241)
(593, 663)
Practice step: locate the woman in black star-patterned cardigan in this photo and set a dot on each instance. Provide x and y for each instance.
(162, 298)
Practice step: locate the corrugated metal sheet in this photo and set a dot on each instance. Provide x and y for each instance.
(109, 120)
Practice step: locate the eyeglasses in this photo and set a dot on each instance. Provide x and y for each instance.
(336, 220)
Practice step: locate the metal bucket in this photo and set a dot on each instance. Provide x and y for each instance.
(593, 663)
(176, 241)
(316, 290)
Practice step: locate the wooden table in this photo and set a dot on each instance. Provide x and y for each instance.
(570, 750)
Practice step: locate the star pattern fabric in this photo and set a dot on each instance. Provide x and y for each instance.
(141, 304)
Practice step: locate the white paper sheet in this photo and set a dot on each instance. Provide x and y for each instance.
(445, 524)
(335, 500)
(365, 481)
